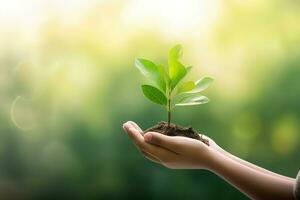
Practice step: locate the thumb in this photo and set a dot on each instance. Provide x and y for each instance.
(167, 142)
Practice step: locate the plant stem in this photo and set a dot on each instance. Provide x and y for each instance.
(169, 113)
(169, 109)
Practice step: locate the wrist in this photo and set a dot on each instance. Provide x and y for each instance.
(214, 157)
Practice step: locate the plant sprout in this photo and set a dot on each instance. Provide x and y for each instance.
(167, 87)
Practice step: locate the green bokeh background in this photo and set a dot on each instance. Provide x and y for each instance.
(67, 88)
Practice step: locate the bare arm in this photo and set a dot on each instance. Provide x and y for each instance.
(244, 162)
(186, 153)
(254, 183)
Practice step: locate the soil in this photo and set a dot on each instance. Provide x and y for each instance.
(175, 130)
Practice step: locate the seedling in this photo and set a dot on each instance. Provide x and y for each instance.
(167, 87)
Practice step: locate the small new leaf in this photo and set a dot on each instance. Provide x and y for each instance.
(178, 73)
(176, 70)
(201, 85)
(154, 94)
(176, 52)
(185, 87)
(193, 100)
(163, 74)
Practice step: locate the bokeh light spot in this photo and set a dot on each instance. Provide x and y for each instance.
(285, 135)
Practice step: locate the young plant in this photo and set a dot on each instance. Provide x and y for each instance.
(167, 87)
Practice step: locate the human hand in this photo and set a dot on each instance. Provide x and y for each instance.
(174, 152)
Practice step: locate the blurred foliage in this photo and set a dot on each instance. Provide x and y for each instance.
(67, 87)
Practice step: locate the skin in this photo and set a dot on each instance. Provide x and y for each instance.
(178, 152)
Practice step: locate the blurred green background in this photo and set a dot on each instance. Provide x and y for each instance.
(68, 83)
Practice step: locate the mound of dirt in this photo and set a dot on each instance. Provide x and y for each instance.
(175, 130)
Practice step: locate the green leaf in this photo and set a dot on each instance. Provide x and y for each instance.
(154, 94)
(192, 100)
(176, 52)
(176, 70)
(151, 71)
(185, 87)
(163, 74)
(179, 74)
(201, 85)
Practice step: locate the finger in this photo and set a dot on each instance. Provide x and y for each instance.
(161, 153)
(167, 142)
(126, 126)
(151, 157)
(137, 141)
(136, 126)
(133, 133)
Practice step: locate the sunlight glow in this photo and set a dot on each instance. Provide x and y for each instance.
(172, 17)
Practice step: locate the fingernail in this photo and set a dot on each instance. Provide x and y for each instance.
(127, 125)
(148, 137)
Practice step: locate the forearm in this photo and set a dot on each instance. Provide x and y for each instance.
(253, 166)
(254, 183)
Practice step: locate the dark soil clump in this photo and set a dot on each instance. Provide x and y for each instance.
(174, 130)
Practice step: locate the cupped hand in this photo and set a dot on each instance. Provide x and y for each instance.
(175, 152)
